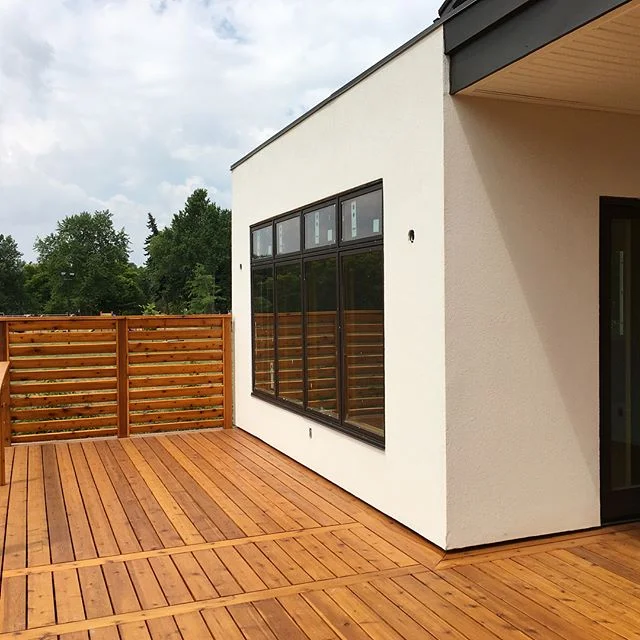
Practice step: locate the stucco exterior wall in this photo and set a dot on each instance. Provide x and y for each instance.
(390, 126)
(522, 188)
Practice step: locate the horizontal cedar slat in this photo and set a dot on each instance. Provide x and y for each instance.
(62, 399)
(175, 403)
(61, 425)
(64, 374)
(64, 435)
(175, 345)
(173, 369)
(186, 333)
(195, 414)
(167, 381)
(53, 387)
(144, 322)
(65, 337)
(55, 413)
(176, 392)
(61, 349)
(177, 426)
(60, 325)
(62, 363)
(176, 356)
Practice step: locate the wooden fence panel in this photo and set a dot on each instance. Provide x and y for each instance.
(104, 376)
(173, 370)
(63, 377)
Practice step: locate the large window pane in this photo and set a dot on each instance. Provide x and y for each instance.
(262, 242)
(322, 336)
(362, 281)
(320, 227)
(263, 329)
(288, 235)
(362, 216)
(289, 329)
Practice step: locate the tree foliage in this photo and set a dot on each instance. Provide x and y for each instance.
(12, 278)
(192, 254)
(85, 265)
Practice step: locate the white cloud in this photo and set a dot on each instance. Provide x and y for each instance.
(131, 104)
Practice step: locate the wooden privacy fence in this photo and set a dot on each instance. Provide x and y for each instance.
(105, 376)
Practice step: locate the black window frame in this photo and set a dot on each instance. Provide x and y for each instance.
(336, 250)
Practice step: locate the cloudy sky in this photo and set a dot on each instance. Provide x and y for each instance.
(131, 104)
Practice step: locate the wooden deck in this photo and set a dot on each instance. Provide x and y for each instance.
(215, 535)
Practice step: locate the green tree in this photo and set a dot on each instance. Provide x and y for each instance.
(13, 298)
(200, 234)
(203, 291)
(38, 289)
(85, 267)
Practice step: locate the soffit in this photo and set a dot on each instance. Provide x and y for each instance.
(594, 67)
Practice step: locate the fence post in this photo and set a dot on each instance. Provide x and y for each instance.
(122, 373)
(227, 372)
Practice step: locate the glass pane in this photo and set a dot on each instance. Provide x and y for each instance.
(263, 329)
(288, 234)
(322, 333)
(625, 347)
(320, 227)
(364, 340)
(362, 216)
(262, 243)
(289, 328)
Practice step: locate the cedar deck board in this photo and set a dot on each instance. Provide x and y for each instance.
(216, 535)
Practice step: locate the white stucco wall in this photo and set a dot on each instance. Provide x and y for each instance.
(522, 187)
(390, 126)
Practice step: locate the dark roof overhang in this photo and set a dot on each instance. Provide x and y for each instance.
(484, 36)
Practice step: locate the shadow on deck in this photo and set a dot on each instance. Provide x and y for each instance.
(216, 535)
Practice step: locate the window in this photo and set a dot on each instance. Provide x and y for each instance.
(289, 327)
(288, 234)
(318, 312)
(322, 336)
(320, 227)
(262, 242)
(263, 329)
(362, 216)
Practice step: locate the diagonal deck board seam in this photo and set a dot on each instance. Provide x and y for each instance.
(156, 553)
(211, 603)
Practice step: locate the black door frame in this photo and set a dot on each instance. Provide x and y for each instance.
(621, 504)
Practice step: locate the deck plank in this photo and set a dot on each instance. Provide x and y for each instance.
(216, 535)
(40, 601)
(13, 596)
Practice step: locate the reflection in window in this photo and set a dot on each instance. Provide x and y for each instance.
(289, 328)
(320, 227)
(362, 216)
(288, 235)
(322, 336)
(263, 330)
(362, 282)
(262, 243)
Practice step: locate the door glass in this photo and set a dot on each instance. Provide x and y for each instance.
(263, 336)
(289, 328)
(624, 335)
(322, 336)
(362, 278)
